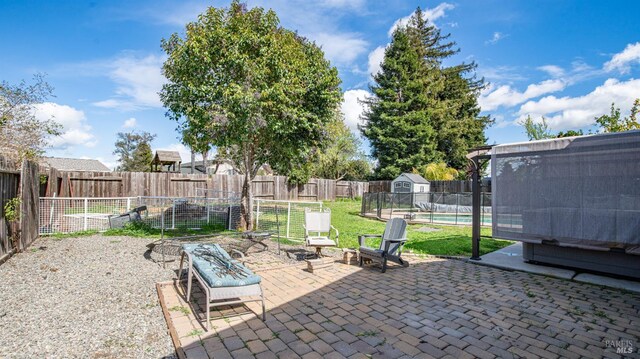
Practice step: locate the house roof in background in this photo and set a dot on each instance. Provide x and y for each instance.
(185, 168)
(74, 164)
(415, 178)
(167, 156)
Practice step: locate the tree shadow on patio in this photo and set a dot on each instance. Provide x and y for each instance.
(438, 307)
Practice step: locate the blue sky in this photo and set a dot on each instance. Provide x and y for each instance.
(565, 60)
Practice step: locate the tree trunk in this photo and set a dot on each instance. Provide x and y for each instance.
(193, 162)
(246, 204)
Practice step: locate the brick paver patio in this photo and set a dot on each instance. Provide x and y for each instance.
(435, 308)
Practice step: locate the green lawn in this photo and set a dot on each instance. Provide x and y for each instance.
(449, 240)
(345, 216)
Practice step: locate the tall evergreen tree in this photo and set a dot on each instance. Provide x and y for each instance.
(134, 151)
(422, 111)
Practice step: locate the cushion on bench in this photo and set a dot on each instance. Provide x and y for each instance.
(211, 271)
(320, 242)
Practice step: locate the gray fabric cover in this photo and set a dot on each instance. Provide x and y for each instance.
(577, 191)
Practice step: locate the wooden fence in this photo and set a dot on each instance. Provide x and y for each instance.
(451, 186)
(9, 182)
(30, 204)
(132, 184)
(436, 186)
(23, 183)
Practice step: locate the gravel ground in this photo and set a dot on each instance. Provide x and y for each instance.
(95, 297)
(89, 297)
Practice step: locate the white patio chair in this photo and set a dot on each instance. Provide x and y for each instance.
(317, 230)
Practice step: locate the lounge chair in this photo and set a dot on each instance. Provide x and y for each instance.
(317, 230)
(223, 279)
(393, 239)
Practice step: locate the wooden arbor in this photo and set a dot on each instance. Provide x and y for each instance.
(166, 161)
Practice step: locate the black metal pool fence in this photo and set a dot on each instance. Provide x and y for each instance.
(430, 207)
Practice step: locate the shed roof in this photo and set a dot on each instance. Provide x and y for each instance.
(415, 178)
(74, 164)
(167, 156)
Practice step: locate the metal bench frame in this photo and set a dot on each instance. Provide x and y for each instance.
(221, 293)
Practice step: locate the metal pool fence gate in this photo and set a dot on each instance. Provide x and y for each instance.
(68, 215)
(431, 207)
(286, 218)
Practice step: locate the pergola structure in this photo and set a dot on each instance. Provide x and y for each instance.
(477, 157)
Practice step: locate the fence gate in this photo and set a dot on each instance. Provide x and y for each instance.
(284, 218)
(9, 182)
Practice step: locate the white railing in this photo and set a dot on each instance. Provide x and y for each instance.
(66, 215)
(284, 218)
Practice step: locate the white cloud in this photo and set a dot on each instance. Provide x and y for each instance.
(506, 96)
(622, 60)
(375, 60)
(352, 108)
(501, 73)
(497, 36)
(130, 123)
(577, 112)
(429, 14)
(138, 82)
(184, 151)
(341, 48)
(75, 129)
(552, 70)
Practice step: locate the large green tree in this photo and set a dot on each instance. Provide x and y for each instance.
(134, 151)
(22, 134)
(422, 111)
(342, 159)
(263, 92)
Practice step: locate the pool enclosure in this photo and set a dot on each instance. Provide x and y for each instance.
(572, 201)
(432, 207)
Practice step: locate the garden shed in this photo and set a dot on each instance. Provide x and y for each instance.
(573, 201)
(410, 183)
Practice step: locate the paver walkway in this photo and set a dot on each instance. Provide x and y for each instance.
(435, 308)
